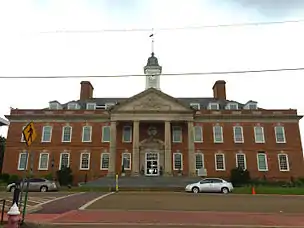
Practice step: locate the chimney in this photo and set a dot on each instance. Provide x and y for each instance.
(219, 90)
(86, 91)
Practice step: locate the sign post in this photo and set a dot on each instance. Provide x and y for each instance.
(29, 135)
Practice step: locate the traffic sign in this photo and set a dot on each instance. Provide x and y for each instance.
(29, 134)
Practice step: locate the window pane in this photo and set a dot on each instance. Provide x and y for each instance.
(106, 134)
(127, 134)
(220, 163)
(22, 161)
(259, 134)
(280, 134)
(241, 161)
(105, 159)
(198, 133)
(177, 134)
(238, 134)
(199, 163)
(67, 134)
(44, 159)
(65, 161)
(85, 161)
(283, 162)
(86, 135)
(47, 131)
(262, 162)
(218, 134)
(177, 161)
(126, 160)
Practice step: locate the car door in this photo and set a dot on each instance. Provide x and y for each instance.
(205, 185)
(35, 184)
(216, 185)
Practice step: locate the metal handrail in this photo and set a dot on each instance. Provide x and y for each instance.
(2, 211)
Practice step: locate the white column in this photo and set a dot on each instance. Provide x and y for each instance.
(112, 162)
(191, 154)
(168, 155)
(135, 155)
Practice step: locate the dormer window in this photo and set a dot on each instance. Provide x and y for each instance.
(109, 105)
(91, 106)
(213, 106)
(73, 105)
(54, 105)
(251, 105)
(232, 106)
(195, 106)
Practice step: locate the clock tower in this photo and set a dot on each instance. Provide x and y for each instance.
(152, 71)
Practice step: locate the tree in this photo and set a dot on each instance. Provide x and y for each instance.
(2, 149)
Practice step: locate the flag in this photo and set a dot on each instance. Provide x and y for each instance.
(151, 35)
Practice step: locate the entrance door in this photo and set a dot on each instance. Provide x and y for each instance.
(152, 164)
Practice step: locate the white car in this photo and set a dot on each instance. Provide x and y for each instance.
(210, 185)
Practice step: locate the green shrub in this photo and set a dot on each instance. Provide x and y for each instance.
(4, 177)
(239, 177)
(64, 176)
(13, 178)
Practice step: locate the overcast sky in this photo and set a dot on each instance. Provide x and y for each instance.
(30, 46)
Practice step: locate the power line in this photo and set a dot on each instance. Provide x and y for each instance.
(169, 74)
(175, 28)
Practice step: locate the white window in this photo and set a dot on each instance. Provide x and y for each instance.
(262, 162)
(213, 106)
(84, 161)
(177, 134)
(22, 136)
(64, 160)
(126, 161)
(232, 106)
(106, 134)
(104, 161)
(46, 134)
(198, 134)
(199, 161)
(220, 162)
(218, 134)
(241, 161)
(87, 134)
(283, 162)
(91, 106)
(177, 161)
(22, 163)
(43, 161)
(251, 105)
(238, 134)
(66, 134)
(127, 134)
(259, 134)
(195, 106)
(73, 105)
(54, 105)
(280, 134)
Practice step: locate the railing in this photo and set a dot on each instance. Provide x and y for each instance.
(3, 201)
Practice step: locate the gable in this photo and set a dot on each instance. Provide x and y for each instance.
(152, 100)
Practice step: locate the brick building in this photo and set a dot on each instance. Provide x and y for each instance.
(155, 134)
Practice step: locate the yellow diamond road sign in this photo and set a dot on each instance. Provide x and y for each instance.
(29, 134)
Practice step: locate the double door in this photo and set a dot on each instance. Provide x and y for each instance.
(152, 164)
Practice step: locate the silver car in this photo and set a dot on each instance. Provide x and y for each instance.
(36, 185)
(210, 185)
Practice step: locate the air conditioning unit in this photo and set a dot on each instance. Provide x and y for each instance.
(202, 172)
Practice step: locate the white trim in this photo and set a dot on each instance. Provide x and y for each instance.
(89, 161)
(266, 162)
(102, 132)
(123, 134)
(234, 135)
(177, 128)
(237, 160)
(202, 157)
(255, 134)
(287, 161)
(43, 132)
(47, 163)
(90, 127)
(222, 136)
(122, 159)
(62, 137)
(224, 161)
(60, 159)
(201, 134)
(73, 106)
(198, 106)
(101, 159)
(229, 104)
(275, 132)
(91, 104)
(182, 163)
(27, 158)
(251, 103)
(58, 106)
(22, 136)
(215, 104)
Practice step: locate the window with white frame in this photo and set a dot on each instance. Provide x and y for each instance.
(283, 162)
(232, 106)
(91, 106)
(199, 161)
(64, 161)
(126, 160)
(241, 161)
(238, 134)
(73, 105)
(259, 134)
(106, 133)
(218, 134)
(127, 134)
(177, 134)
(177, 161)
(251, 105)
(54, 105)
(22, 136)
(195, 106)
(198, 134)
(85, 161)
(213, 106)
(104, 161)
(46, 134)
(262, 161)
(280, 134)
(86, 133)
(22, 162)
(43, 161)
(66, 134)
(219, 162)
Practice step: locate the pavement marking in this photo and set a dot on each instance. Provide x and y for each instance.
(83, 207)
(59, 198)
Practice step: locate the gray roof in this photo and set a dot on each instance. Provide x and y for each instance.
(3, 122)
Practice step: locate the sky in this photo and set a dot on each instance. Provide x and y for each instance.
(72, 38)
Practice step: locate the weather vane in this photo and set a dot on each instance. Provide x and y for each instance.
(152, 41)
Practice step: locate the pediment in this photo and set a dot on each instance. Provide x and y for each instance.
(152, 100)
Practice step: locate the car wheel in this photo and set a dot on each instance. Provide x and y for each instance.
(43, 189)
(225, 190)
(195, 190)
(12, 189)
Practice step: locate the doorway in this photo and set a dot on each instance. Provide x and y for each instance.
(152, 164)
